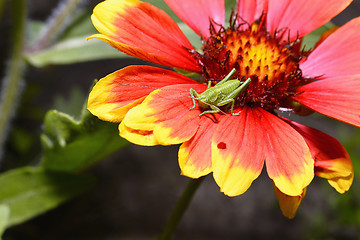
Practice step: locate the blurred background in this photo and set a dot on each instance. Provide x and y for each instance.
(137, 187)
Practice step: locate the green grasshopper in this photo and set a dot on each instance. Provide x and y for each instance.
(222, 94)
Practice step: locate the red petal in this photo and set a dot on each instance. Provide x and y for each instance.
(144, 31)
(337, 97)
(237, 152)
(288, 159)
(115, 94)
(198, 13)
(195, 154)
(331, 159)
(250, 11)
(338, 55)
(301, 17)
(167, 113)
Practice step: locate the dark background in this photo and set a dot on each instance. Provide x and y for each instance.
(138, 187)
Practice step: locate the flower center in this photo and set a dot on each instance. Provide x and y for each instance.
(270, 62)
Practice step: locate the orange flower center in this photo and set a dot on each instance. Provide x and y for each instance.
(270, 62)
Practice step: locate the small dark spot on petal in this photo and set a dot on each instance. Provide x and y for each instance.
(221, 145)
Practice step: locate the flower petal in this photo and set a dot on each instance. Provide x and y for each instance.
(198, 13)
(140, 137)
(195, 154)
(301, 17)
(113, 96)
(338, 55)
(289, 204)
(166, 112)
(250, 11)
(144, 31)
(331, 159)
(237, 152)
(337, 97)
(288, 159)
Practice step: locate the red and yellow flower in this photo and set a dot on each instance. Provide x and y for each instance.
(263, 43)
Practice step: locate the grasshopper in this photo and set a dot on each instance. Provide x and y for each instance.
(222, 94)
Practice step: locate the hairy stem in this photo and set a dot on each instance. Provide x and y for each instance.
(55, 23)
(180, 208)
(12, 84)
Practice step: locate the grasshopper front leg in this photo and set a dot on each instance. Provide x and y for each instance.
(194, 95)
(214, 109)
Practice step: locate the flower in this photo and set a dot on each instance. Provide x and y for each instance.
(263, 43)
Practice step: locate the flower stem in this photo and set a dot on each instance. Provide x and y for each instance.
(55, 23)
(180, 208)
(13, 81)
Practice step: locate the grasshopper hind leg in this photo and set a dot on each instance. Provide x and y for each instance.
(214, 109)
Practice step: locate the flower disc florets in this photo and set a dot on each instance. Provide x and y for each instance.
(271, 62)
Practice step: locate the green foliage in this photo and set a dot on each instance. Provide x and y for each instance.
(74, 50)
(310, 40)
(72, 46)
(71, 145)
(191, 35)
(4, 217)
(30, 191)
(230, 5)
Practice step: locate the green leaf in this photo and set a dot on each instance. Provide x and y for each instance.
(194, 39)
(60, 127)
(71, 145)
(84, 150)
(4, 217)
(230, 5)
(74, 50)
(312, 38)
(29, 191)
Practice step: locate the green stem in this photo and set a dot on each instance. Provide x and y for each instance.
(180, 208)
(13, 81)
(55, 24)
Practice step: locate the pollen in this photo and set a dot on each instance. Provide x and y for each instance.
(271, 62)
